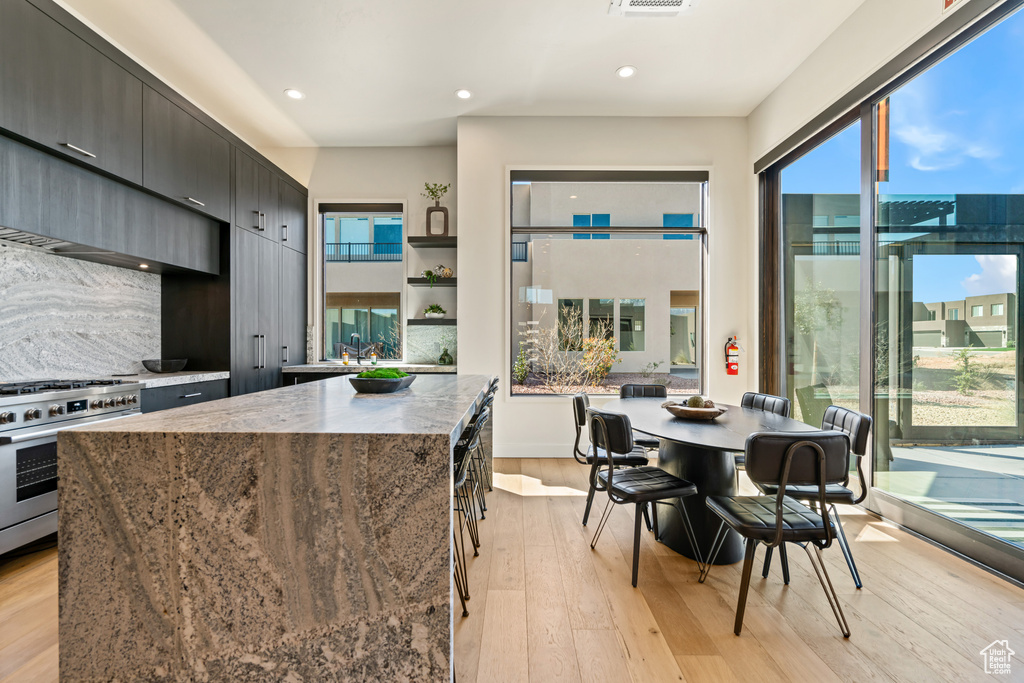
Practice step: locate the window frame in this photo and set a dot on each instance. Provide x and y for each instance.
(539, 172)
(318, 271)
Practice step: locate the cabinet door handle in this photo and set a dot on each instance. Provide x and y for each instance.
(198, 393)
(263, 222)
(195, 201)
(263, 363)
(257, 214)
(284, 228)
(81, 151)
(257, 366)
(285, 355)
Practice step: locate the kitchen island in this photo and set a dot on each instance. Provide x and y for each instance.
(301, 533)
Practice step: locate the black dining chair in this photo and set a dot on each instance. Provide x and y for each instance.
(783, 459)
(638, 486)
(636, 457)
(644, 391)
(768, 403)
(857, 426)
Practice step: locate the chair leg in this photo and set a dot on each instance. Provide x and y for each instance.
(469, 512)
(600, 525)
(844, 545)
(785, 563)
(716, 546)
(654, 519)
(767, 563)
(590, 501)
(748, 564)
(826, 585)
(647, 518)
(636, 540)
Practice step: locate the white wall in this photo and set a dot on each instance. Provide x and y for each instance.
(489, 146)
(875, 33)
(384, 174)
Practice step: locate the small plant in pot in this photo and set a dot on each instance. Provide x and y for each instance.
(430, 276)
(434, 311)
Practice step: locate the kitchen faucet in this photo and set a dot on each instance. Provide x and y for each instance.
(359, 347)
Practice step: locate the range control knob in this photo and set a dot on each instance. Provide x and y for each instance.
(96, 404)
(133, 399)
(109, 403)
(6, 418)
(33, 414)
(56, 410)
(122, 400)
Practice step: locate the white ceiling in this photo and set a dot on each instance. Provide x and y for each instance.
(384, 72)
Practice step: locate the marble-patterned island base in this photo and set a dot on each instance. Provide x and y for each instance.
(198, 556)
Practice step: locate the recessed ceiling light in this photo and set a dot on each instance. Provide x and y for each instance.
(295, 94)
(625, 71)
(572, 196)
(143, 265)
(463, 94)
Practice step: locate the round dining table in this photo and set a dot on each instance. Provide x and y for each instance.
(702, 452)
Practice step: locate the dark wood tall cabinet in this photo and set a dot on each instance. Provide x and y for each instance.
(293, 307)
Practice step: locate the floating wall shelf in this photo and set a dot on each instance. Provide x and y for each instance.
(440, 282)
(432, 321)
(433, 242)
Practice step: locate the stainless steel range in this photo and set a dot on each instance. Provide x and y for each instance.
(31, 415)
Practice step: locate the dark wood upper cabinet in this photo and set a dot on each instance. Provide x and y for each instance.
(183, 159)
(293, 218)
(257, 204)
(59, 92)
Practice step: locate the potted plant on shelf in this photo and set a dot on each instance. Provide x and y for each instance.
(430, 276)
(434, 311)
(436, 191)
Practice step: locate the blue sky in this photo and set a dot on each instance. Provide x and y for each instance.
(956, 129)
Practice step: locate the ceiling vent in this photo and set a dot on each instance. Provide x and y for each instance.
(649, 8)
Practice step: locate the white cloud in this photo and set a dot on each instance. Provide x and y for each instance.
(933, 146)
(998, 275)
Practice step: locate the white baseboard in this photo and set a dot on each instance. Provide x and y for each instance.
(533, 450)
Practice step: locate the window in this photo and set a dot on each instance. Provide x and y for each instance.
(997, 309)
(636, 285)
(976, 311)
(953, 314)
(363, 277)
(931, 315)
(631, 325)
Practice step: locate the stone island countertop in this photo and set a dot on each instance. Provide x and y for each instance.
(301, 533)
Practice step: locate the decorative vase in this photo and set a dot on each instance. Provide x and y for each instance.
(443, 271)
(433, 316)
(445, 358)
(443, 210)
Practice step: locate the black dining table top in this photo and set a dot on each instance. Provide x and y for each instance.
(727, 432)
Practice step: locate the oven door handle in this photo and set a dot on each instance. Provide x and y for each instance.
(21, 438)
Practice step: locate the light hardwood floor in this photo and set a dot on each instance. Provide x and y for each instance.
(545, 607)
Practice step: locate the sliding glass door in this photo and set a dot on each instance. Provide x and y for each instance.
(949, 233)
(900, 232)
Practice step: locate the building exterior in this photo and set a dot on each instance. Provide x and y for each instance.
(984, 321)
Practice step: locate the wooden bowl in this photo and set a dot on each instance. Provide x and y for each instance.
(689, 413)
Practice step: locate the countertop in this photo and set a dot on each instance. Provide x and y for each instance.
(338, 368)
(432, 405)
(151, 380)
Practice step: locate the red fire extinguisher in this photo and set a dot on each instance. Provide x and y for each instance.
(732, 356)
